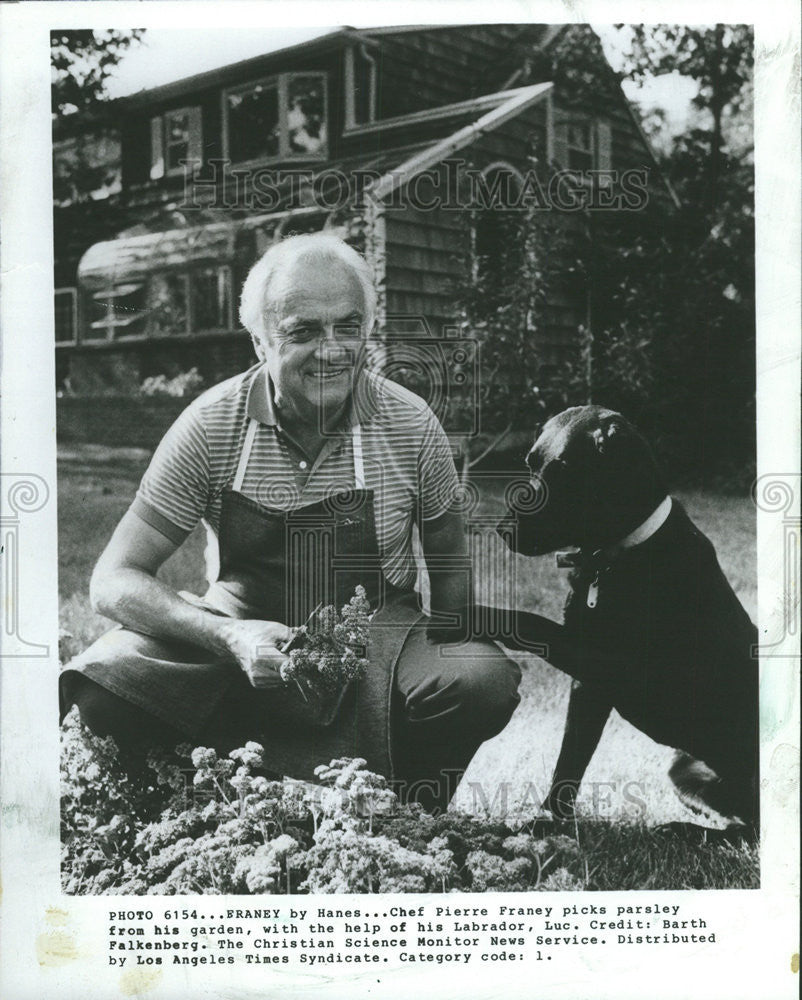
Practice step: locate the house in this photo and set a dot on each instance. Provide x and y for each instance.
(411, 142)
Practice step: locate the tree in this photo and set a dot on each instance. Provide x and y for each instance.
(704, 350)
(719, 58)
(86, 153)
(82, 62)
(671, 323)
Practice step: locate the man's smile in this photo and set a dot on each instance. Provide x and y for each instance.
(327, 373)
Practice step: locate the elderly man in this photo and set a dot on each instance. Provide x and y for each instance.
(306, 445)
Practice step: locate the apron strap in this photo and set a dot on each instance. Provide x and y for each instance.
(250, 434)
(245, 454)
(359, 462)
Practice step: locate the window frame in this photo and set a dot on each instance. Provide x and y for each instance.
(72, 291)
(166, 145)
(189, 332)
(601, 144)
(194, 140)
(110, 323)
(182, 275)
(350, 83)
(586, 125)
(281, 81)
(228, 280)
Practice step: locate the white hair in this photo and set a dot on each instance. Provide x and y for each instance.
(255, 306)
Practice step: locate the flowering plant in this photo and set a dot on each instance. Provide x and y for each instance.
(195, 821)
(331, 650)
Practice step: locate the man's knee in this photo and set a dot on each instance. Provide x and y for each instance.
(107, 714)
(489, 690)
(97, 707)
(474, 687)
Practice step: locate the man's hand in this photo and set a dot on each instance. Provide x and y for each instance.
(256, 646)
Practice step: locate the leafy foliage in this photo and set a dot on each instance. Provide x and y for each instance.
(720, 58)
(703, 348)
(82, 62)
(183, 384)
(669, 291)
(196, 822)
(332, 649)
(86, 150)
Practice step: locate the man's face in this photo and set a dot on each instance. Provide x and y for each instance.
(313, 340)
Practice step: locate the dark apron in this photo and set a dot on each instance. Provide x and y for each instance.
(274, 566)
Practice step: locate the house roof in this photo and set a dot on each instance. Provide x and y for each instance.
(510, 104)
(253, 66)
(263, 64)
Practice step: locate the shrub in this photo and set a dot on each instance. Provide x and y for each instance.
(195, 822)
(184, 384)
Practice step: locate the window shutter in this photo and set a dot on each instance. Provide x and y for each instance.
(604, 142)
(559, 151)
(195, 154)
(156, 148)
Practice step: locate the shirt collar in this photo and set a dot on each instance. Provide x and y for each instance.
(259, 403)
(260, 398)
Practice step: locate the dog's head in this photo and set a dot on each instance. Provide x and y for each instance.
(593, 480)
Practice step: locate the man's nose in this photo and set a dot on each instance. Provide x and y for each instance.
(329, 344)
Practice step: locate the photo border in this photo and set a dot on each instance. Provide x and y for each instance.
(53, 944)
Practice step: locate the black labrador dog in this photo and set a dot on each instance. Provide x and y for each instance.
(651, 626)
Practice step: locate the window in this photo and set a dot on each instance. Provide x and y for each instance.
(175, 138)
(253, 123)
(579, 145)
(582, 144)
(66, 313)
(211, 299)
(306, 111)
(360, 86)
(167, 304)
(283, 117)
(117, 312)
(496, 236)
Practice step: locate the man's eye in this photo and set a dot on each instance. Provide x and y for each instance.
(302, 334)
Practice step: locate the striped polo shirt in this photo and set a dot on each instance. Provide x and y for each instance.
(406, 455)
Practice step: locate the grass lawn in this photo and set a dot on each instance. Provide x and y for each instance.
(626, 781)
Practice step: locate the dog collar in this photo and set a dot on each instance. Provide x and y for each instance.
(601, 558)
(650, 526)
